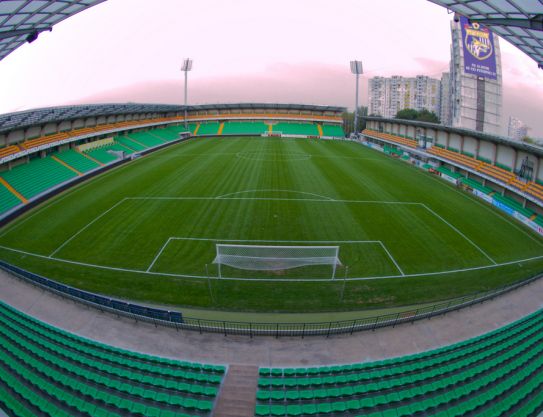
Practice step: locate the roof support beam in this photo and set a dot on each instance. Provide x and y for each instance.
(534, 23)
(13, 33)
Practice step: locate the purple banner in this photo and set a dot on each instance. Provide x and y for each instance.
(479, 53)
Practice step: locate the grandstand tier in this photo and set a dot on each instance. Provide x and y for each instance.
(102, 154)
(245, 128)
(37, 176)
(333, 130)
(77, 160)
(8, 199)
(211, 128)
(304, 129)
(46, 371)
(496, 374)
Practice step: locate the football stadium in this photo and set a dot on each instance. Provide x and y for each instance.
(267, 259)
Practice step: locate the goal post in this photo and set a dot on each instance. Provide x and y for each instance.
(275, 258)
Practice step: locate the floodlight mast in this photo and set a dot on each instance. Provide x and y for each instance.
(187, 66)
(356, 68)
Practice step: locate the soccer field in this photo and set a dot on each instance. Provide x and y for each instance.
(148, 230)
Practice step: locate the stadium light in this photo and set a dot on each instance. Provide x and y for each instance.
(356, 68)
(187, 66)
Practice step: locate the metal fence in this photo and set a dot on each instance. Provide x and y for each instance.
(177, 320)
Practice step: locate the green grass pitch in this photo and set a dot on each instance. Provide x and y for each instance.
(147, 230)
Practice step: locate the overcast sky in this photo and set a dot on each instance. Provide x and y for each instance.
(289, 51)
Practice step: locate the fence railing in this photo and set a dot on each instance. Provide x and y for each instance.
(177, 320)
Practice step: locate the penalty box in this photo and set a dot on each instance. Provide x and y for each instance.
(376, 238)
(358, 258)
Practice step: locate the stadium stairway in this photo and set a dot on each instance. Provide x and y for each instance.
(45, 371)
(319, 128)
(497, 374)
(9, 197)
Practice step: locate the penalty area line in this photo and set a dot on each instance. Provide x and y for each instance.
(140, 271)
(392, 258)
(158, 254)
(85, 228)
(461, 234)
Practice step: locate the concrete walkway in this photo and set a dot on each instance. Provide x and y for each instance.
(268, 351)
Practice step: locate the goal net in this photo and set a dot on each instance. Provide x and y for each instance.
(275, 258)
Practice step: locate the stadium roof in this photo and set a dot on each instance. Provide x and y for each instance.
(23, 20)
(518, 21)
(27, 118)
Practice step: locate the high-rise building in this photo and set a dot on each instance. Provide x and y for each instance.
(475, 78)
(445, 100)
(387, 96)
(517, 129)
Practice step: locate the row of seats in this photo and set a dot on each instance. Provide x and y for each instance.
(245, 128)
(497, 374)
(9, 150)
(8, 200)
(47, 371)
(259, 128)
(32, 143)
(392, 138)
(41, 174)
(102, 154)
(37, 176)
(77, 160)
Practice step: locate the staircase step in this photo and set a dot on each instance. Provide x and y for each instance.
(237, 397)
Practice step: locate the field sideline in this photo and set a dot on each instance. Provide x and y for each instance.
(147, 230)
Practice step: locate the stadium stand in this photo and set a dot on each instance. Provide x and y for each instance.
(245, 128)
(496, 374)
(477, 185)
(211, 128)
(102, 155)
(77, 160)
(9, 150)
(305, 129)
(391, 138)
(37, 176)
(8, 199)
(333, 130)
(46, 371)
(147, 138)
(131, 143)
(497, 171)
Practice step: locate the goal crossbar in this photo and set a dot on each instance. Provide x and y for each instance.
(274, 258)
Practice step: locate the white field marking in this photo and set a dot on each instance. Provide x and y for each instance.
(158, 255)
(480, 203)
(254, 156)
(85, 227)
(392, 258)
(461, 234)
(278, 199)
(87, 183)
(273, 241)
(258, 241)
(267, 191)
(139, 271)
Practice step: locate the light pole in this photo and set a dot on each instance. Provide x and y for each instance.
(187, 66)
(356, 68)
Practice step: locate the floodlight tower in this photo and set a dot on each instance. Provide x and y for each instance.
(356, 68)
(187, 66)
